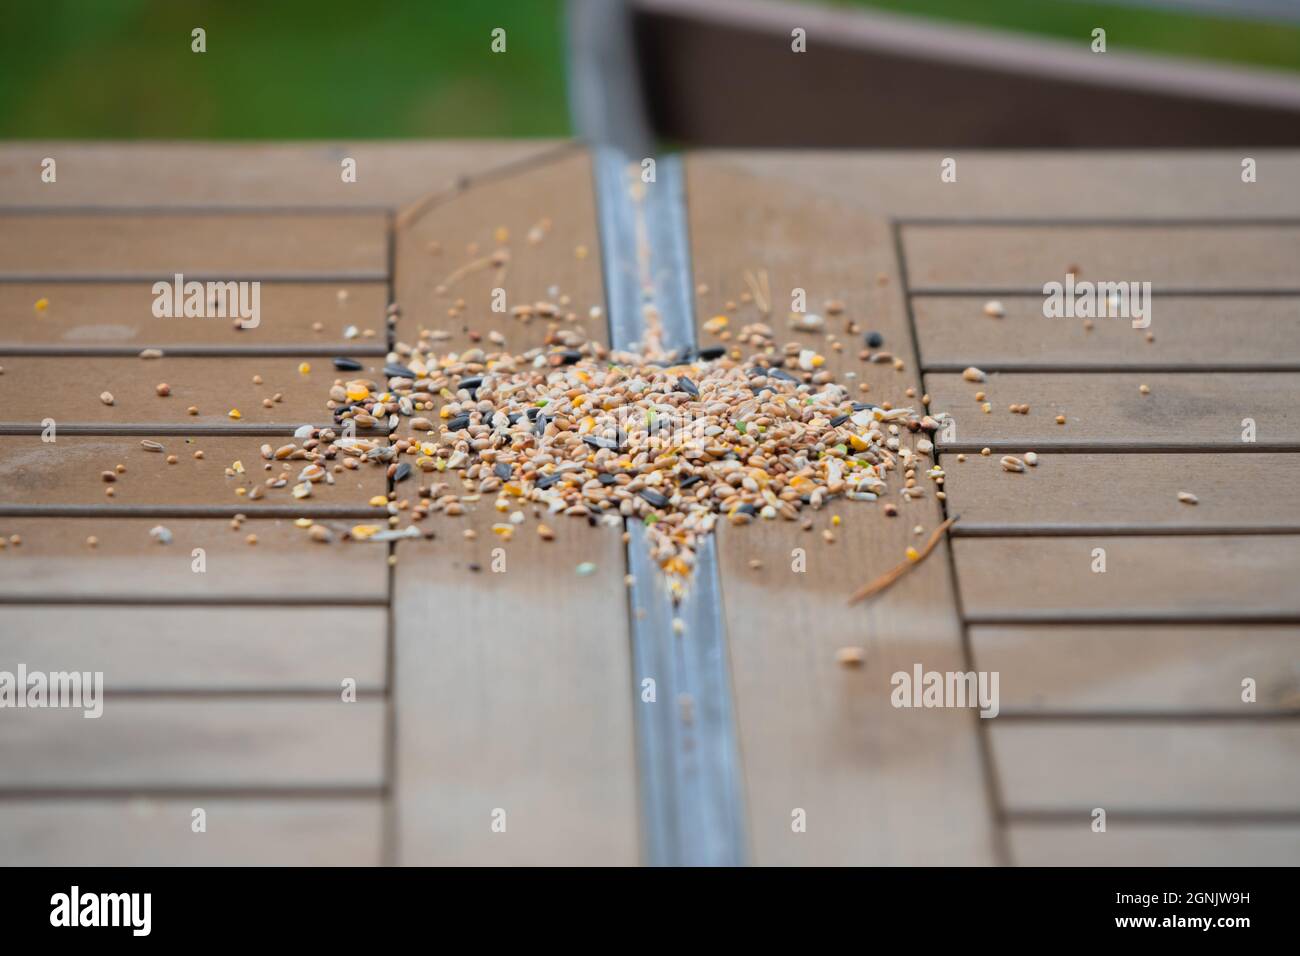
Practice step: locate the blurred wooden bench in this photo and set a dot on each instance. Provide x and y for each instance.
(480, 692)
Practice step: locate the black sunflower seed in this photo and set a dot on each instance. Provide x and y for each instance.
(403, 471)
(547, 480)
(345, 364)
(709, 354)
(459, 423)
(692, 480)
(747, 509)
(655, 499)
(839, 420)
(471, 384)
(398, 371)
(874, 340)
(599, 441)
(687, 386)
(502, 471)
(565, 357)
(783, 375)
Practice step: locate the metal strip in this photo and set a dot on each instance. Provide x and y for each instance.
(691, 793)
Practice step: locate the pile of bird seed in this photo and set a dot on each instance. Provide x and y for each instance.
(610, 436)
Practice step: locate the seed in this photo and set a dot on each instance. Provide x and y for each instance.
(1031, 459)
(163, 389)
(873, 340)
(1011, 463)
(850, 657)
(585, 569)
(972, 374)
(106, 398)
(198, 455)
(193, 410)
(1144, 389)
(1187, 498)
(235, 414)
(160, 534)
(994, 309)
(545, 532)
(42, 304)
(151, 354)
(304, 368)
(1060, 419)
(108, 476)
(92, 542)
(318, 532)
(150, 445)
(986, 452)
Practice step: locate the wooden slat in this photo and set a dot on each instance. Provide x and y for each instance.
(208, 745)
(1221, 766)
(513, 690)
(214, 386)
(119, 315)
(1103, 411)
(1154, 844)
(1195, 669)
(69, 471)
(1081, 493)
(238, 246)
(555, 196)
(221, 175)
(1031, 184)
(879, 785)
(54, 561)
(154, 832)
(1023, 257)
(202, 649)
(1180, 577)
(1219, 332)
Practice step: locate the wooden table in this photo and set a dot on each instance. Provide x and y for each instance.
(479, 692)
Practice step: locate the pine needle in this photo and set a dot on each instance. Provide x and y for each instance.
(887, 579)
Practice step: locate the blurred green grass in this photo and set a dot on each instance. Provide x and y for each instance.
(333, 69)
(280, 69)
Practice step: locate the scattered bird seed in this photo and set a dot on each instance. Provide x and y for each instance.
(149, 444)
(972, 374)
(1187, 498)
(106, 398)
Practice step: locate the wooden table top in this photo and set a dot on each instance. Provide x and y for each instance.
(477, 691)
